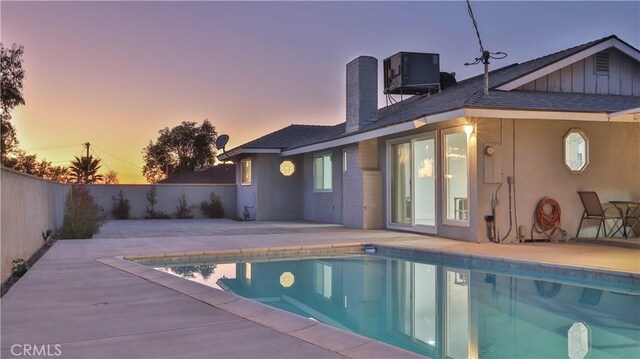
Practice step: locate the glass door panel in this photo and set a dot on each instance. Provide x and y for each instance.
(401, 183)
(424, 182)
(457, 314)
(425, 309)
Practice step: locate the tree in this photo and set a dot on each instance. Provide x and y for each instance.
(111, 177)
(184, 148)
(11, 87)
(84, 170)
(21, 161)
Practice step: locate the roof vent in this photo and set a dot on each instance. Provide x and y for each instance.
(601, 63)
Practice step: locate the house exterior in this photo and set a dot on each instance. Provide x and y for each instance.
(440, 164)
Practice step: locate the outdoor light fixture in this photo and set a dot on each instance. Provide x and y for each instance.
(468, 129)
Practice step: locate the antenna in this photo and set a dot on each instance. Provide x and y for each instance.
(221, 141)
(485, 54)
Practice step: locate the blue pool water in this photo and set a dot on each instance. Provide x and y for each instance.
(439, 309)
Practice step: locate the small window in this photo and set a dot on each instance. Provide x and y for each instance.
(322, 173)
(245, 172)
(601, 63)
(576, 150)
(287, 168)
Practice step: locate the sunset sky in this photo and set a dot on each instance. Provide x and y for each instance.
(114, 73)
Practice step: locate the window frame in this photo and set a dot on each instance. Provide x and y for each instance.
(580, 132)
(324, 189)
(446, 221)
(411, 139)
(242, 162)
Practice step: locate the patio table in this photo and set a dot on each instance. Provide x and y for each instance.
(630, 212)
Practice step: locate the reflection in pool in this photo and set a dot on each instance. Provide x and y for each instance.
(438, 310)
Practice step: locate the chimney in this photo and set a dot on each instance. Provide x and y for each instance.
(362, 92)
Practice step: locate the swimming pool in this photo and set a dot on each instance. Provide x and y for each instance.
(440, 306)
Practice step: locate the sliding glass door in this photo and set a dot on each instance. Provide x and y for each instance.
(412, 183)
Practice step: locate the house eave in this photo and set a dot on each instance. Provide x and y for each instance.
(239, 151)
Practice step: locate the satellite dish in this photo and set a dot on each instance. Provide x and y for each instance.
(221, 141)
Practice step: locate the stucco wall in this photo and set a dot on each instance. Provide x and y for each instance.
(167, 196)
(247, 193)
(613, 170)
(279, 197)
(323, 206)
(30, 205)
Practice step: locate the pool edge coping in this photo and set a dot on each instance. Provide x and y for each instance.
(345, 343)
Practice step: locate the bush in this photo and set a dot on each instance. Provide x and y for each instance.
(82, 216)
(121, 207)
(152, 200)
(213, 208)
(18, 267)
(183, 211)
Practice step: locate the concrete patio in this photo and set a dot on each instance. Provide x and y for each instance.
(95, 310)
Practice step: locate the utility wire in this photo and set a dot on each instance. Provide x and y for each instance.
(475, 25)
(116, 157)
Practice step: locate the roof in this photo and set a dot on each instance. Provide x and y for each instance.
(221, 174)
(469, 94)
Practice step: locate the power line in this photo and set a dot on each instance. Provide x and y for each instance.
(485, 55)
(116, 157)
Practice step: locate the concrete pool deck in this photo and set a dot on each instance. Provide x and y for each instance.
(98, 311)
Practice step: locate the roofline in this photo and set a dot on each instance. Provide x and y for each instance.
(566, 61)
(380, 132)
(238, 151)
(631, 115)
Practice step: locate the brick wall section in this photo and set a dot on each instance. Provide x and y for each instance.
(362, 183)
(362, 91)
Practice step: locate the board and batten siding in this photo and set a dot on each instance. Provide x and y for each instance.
(580, 77)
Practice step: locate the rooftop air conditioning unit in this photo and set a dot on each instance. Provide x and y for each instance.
(412, 73)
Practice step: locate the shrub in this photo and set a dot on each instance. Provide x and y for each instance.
(121, 207)
(18, 267)
(82, 216)
(183, 211)
(213, 208)
(152, 200)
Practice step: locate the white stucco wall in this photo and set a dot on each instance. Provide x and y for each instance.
(167, 196)
(613, 171)
(30, 205)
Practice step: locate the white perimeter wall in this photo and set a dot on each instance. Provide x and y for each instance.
(167, 196)
(30, 205)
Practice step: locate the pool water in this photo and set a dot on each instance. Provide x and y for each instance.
(437, 309)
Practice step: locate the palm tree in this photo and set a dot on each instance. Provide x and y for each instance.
(85, 170)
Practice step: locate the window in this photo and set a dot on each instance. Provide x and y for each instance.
(322, 279)
(456, 176)
(576, 150)
(287, 168)
(322, 173)
(245, 172)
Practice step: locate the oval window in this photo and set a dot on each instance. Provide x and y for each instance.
(576, 150)
(287, 168)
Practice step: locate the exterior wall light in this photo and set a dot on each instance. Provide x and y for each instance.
(469, 129)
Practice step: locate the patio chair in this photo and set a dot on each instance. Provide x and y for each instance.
(593, 210)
